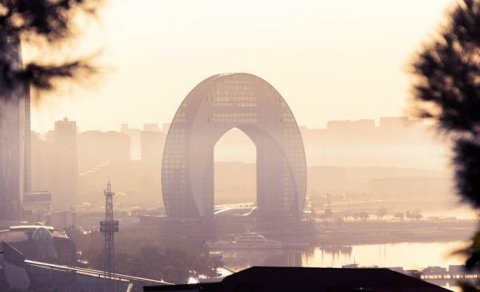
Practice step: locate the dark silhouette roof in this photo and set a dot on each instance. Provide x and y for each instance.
(280, 279)
(12, 255)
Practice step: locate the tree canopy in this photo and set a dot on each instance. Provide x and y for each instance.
(49, 22)
(447, 90)
(147, 253)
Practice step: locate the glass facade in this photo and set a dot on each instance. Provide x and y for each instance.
(13, 100)
(211, 109)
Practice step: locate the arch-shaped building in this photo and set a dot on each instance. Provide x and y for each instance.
(211, 109)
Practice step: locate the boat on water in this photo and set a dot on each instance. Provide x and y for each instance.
(249, 240)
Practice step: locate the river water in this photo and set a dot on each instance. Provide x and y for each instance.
(405, 255)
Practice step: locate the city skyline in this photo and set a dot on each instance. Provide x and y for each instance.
(375, 122)
(236, 134)
(329, 60)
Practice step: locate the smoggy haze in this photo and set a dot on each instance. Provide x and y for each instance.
(329, 59)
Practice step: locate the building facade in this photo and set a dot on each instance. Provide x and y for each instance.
(211, 109)
(96, 148)
(13, 99)
(65, 188)
(152, 145)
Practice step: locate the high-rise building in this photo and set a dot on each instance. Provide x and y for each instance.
(151, 127)
(66, 165)
(394, 123)
(96, 148)
(135, 141)
(211, 109)
(43, 156)
(152, 140)
(55, 164)
(13, 99)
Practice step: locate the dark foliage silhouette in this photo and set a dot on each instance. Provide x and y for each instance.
(42, 22)
(151, 255)
(447, 90)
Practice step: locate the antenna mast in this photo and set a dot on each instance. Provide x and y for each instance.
(109, 227)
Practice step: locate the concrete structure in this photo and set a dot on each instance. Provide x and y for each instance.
(211, 109)
(16, 272)
(54, 164)
(135, 142)
(62, 219)
(41, 243)
(36, 205)
(65, 189)
(97, 148)
(13, 98)
(152, 141)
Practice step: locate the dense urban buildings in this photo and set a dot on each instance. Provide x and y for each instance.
(24, 271)
(380, 166)
(54, 164)
(152, 141)
(65, 139)
(71, 172)
(97, 147)
(135, 143)
(211, 109)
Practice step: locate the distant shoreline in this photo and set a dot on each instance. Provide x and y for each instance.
(377, 232)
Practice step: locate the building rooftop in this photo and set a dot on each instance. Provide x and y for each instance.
(280, 279)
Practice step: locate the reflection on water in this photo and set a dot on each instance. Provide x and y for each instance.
(242, 259)
(406, 255)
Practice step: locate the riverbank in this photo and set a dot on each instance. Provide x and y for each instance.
(377, 232)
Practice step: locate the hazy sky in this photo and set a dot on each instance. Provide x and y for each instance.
(329, 59)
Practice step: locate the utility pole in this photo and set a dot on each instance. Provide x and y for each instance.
(109, 227)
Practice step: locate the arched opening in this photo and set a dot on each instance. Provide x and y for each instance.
(215, 105)
(235, 175)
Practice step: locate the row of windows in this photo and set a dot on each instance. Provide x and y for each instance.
(224, 120)
(179, 120)
(176, 136)
(176, 182)
(229, 104)
(176, 162)
(235, 81)
(232, 93)
(180, 114)
(171, 153)
(234, 115)
(235, 98)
